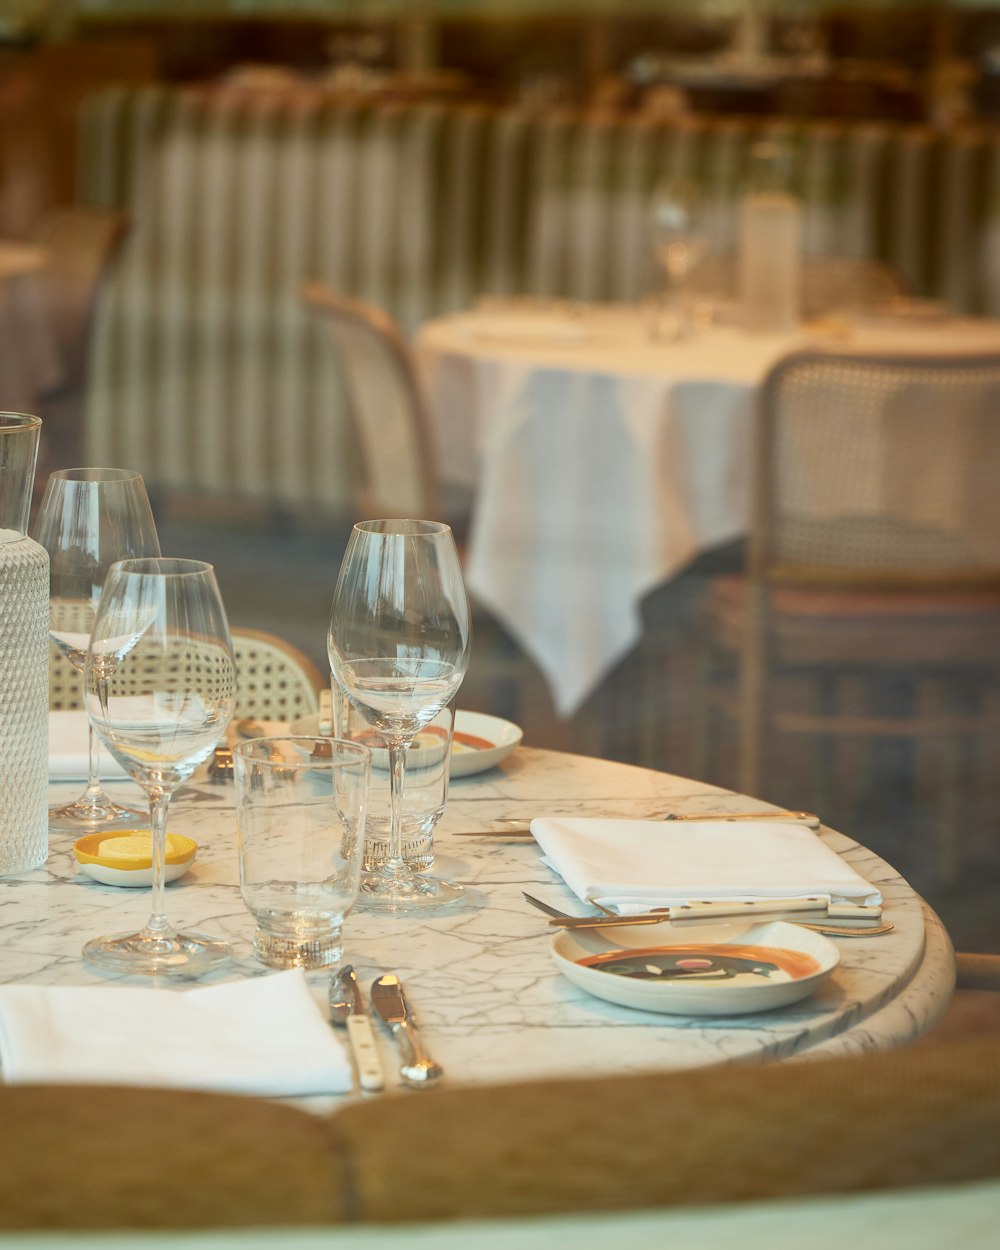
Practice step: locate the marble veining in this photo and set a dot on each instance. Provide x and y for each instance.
(486, 992)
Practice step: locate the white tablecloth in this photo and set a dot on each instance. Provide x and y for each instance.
(603, 462)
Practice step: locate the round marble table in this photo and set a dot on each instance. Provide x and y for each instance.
(484, 988)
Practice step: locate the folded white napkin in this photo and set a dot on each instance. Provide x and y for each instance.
(69, 747)
(635, 864)
(262, 1036)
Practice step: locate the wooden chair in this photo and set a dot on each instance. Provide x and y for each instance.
(276, 680)
(387, 408)
(81, 241)
(874, 566)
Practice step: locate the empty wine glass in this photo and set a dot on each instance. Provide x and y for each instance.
(680, 243)
(160, 685)
(399, 641)
(88, 519)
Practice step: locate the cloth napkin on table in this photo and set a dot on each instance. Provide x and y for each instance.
(632, 865)
(69, 747)
(263, 1036)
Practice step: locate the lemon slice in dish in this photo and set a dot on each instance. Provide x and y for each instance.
(126, 856)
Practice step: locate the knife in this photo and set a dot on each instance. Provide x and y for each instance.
(793, 909)
(388, 999)
(347, 1007)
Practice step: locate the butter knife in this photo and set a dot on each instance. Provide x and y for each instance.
(794, 909)
(388, 999)
(347, 1007)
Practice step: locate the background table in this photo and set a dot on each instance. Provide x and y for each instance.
(603, 462)
(485, 990)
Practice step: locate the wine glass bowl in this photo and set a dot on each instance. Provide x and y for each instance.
(680, 241)
(399, 641)
(160, 688)
(88, 519)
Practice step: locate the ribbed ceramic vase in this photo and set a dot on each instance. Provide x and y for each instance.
(24, 657)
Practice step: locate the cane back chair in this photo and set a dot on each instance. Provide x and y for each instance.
(874, 564)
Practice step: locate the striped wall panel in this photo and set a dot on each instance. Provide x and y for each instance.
(207, 375)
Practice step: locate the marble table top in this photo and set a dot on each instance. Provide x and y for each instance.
(484, 987)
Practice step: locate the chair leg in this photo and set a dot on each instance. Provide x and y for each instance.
(752, 693)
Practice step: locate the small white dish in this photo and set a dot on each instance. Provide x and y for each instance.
(742, 993)
(467, 756)
(480, 742)
(133, 870)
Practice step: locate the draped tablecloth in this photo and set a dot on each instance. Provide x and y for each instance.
(603, 461)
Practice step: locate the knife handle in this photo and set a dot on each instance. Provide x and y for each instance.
(365, 1051)
(418, 1067)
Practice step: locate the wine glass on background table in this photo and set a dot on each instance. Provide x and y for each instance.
(400, 633)
(160, 685)
(680, 243)
(88, 519)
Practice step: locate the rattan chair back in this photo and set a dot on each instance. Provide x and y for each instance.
(386, 405)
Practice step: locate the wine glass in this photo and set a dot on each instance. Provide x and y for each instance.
(88, 519)
(680, 243)
(399, 646)
(160, 685)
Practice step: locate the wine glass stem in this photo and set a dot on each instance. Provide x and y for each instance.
(159, 801)
(93, 793)
(397, 770)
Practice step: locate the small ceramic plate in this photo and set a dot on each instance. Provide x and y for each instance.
(480, 741)
(725, 968)
(130, 863)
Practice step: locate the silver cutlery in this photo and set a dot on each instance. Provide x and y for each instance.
(347, 1010)
(809, 819)
(849, 919)
(388, 999)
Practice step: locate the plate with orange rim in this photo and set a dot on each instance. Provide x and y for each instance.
(719, 968)
(125, 857)
(480, 742)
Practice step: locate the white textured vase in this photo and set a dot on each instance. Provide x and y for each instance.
(24, 702)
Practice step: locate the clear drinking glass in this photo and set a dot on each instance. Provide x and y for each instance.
(425, 792)
(680, 243)
(160, 685)
(400, 633)
(88, 519)
(300, 813)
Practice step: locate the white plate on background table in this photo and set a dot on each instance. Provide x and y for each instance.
(498, 738)
(789, 963)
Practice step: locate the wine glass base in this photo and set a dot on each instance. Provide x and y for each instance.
(407, 893)
(144, 954)
(84, 816)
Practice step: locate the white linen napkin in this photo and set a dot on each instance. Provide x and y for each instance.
(632, 865)
(263, 1036)
(68, 749)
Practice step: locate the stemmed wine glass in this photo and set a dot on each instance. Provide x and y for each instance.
(399, 640)
(680, 243)
(88, 519)
(160, 687)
